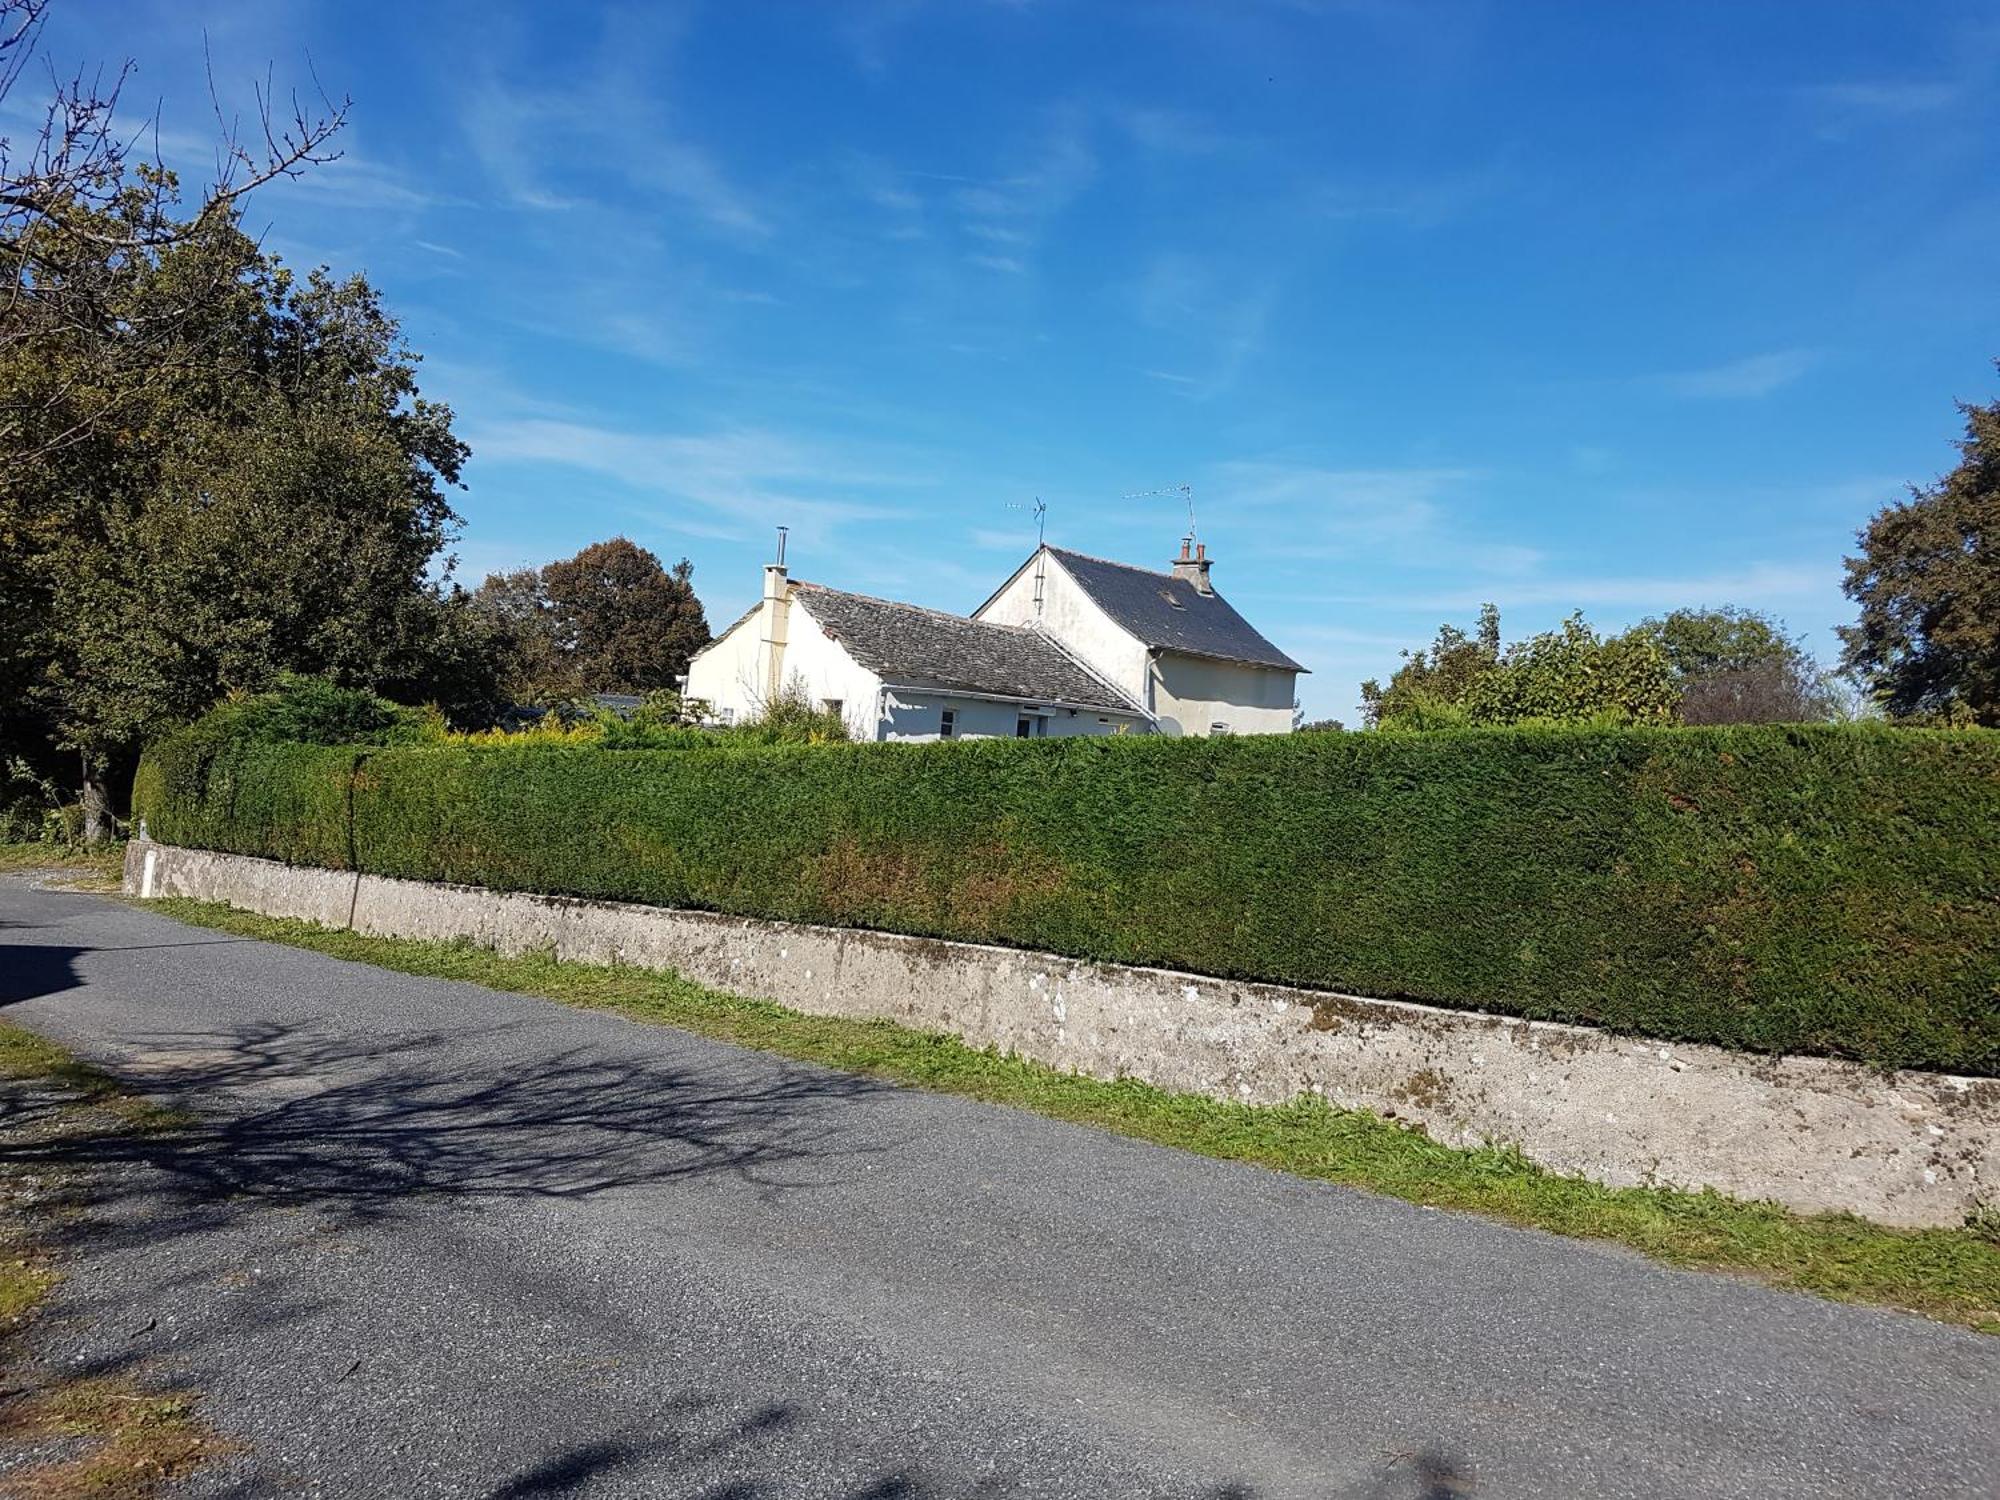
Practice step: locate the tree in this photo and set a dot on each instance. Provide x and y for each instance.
(81, 210)
(627, 624)
(1927, 643)
(1570, 675)
(1434, 684)
(536, 664)
(1736, 666)
(270, 497)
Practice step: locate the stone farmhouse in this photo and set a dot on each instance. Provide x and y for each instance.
(1068, 645)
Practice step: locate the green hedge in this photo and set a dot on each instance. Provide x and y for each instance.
(1832, 890)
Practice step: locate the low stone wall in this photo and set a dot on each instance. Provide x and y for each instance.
(1815, 1134)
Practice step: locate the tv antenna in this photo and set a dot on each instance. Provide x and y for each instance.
(1041, 513)
(1185, 491)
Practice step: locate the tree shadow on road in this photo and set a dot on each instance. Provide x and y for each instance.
(365, 1130)
(1426, 1474)
(360, 1133)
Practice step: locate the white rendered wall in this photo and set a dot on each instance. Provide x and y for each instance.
(1075, 619)
(728, 673)
(915, 716)
(1192, 693)
(724, 672)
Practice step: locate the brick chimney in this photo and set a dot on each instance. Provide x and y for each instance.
(1193, 567)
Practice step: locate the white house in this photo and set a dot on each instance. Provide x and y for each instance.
(1069, 645)
(1168, 640)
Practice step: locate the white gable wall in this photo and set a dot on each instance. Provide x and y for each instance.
(729, 673)
(1074, 618)
(724, 673)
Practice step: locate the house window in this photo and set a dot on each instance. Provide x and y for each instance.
(727, 715)
(948, 724)
(831, 705)
(1218, 727)
(1030, 726)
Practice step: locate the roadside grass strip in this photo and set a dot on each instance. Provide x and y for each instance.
(1949, 1274)
(95, 869)
(69, 1437)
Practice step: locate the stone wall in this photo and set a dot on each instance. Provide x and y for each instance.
(1815, 1134)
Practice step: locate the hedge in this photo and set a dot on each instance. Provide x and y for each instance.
(1831, 890)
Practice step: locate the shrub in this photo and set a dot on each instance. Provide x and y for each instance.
(1821, 889)
(314, 711)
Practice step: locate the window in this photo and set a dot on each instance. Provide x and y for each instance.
(727, 715)
(831, 705)
(1030, 726)
(1218, 727)
(948, 724)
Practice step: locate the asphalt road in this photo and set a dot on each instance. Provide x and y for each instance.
(437, 1241)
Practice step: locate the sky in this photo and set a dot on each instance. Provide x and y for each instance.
(1562, 306)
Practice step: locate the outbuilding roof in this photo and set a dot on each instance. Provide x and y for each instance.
(1171, 613)
(907, 646)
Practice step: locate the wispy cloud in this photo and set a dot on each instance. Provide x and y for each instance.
(1172, 132)
(1760, 584)
(542, 148)
(1211, 322)
(715, 484)
(1016, 206)
(1415, 201)
(1741, 379)
(1905, 96)
(1339, 511)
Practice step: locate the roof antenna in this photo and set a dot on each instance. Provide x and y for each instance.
(782, 530)
(1041, 511)
(1185, 491)
(1041, 533)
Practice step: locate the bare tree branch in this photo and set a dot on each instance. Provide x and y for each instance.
(86, 211)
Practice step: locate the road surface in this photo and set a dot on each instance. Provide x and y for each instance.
(438, 1241)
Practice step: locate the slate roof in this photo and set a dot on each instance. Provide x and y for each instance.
(1171, 613)
(925, 648)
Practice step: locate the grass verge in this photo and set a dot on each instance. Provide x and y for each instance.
(73, 1438)
(1949, 1274)
(97, 866)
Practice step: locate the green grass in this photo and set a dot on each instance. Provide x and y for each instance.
(106, 861)
(99, 1436)
(1949, 1274)
(25, 1055)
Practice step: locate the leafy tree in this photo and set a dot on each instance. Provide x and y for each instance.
(1927, 644)
(1570, 675)
(1736, 666)
(536, 665)
(1430, 688)
(81, 211)
(211, 471)
(609, 620)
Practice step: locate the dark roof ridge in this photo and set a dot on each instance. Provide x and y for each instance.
(1109, 562)
(915, 609)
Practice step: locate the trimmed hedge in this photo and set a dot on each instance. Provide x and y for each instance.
(1828, 889)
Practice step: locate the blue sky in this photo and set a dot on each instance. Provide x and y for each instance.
(1563, 306)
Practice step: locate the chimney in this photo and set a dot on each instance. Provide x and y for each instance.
(777, 610)
(1194, 568)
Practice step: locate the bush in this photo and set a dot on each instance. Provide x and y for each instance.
(1821, 889)
(314, 711)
